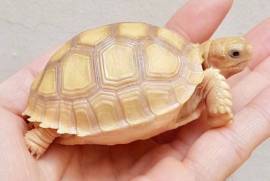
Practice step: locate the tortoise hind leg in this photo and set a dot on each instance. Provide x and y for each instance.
(39, 139)
(218, 98)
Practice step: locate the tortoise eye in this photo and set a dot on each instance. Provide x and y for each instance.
(234, 53)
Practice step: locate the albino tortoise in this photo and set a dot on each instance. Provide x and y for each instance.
(129, 81)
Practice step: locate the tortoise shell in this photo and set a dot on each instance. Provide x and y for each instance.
(115, 77)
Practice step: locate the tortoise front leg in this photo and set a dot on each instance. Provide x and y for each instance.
(39, 139)
(218, 98)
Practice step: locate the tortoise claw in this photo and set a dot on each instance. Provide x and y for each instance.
(219, 120)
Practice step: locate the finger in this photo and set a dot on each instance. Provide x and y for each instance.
(13, 153)
(15, 90)
(260, 38)
(56, 160)
(185, 138)
(246, 90)
(12, 143)
(167, 169)
(219, 152)
(198, 19)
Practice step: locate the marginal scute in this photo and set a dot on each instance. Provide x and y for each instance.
(133, 30)
(183, 92)
(94, 36)
(66, 119)
(51, 116)
(160, 99)
(171, 38)
(83, 122)
(36, 81)
(77, 76)
(48, 83)
(38, 113)
(134, 107)
(105, 108)
(161, 63)
(30, 107)
(59, 54)
(119, 65)
(194, 55)
(194, 77)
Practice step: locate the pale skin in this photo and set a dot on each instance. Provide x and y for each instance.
(192, 152)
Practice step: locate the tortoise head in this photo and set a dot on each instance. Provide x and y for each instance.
(229, 55)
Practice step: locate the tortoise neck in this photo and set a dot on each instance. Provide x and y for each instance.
(205, 49)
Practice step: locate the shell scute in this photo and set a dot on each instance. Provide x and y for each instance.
(50, 119)
(119, 66)
(171, 37)
(67, 123)
(83, 121)
(77, 75)
(133, 30)
(106, 109)
(134, 107)
(94, 36)
(48, 82)
(58, 55)
(161, 63)
(160, 98)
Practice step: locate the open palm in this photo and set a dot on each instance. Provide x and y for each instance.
(192, 152)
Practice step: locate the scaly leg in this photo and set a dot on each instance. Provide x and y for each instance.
(39, 139)
(218, 98)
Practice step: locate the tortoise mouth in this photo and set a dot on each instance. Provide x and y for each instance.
(234, 69)
(239, 65)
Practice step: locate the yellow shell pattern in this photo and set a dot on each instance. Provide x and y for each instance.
(114, 77)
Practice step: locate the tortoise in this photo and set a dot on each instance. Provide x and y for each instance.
(130, 81)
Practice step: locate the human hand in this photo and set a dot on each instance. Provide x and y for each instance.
(192, 152)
